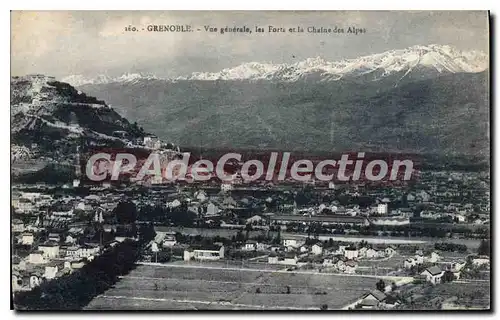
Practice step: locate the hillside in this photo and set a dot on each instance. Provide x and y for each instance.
(444, 114)
(49, 119)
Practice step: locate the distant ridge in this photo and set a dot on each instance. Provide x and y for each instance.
(416, 59)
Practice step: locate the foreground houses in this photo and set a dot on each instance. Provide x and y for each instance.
(433, 274)
(214, 252)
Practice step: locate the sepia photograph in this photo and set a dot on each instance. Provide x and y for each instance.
(250, 160)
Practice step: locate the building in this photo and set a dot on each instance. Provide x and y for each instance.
(293, 243)
(36, 257)
(373, 253)
(273, 258)
(434, 257)
(324, 220)
(226, 186)
(382, 208)
(290, 259)
(17, 225)
(55, 237)
(169, 241)
(350, 266)
(481, 260)
(351, 253)
(433, 274)
(214, 252)
(250, 245)
(317, 248)
(389, 251)
(409, 263)
(152, 141)
(27, 238)
(50, 271)
(50, 250)
(372, 300)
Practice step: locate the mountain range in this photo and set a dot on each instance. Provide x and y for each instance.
(424, 99)
(425, 60)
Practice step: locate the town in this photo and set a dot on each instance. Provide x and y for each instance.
(394, 245)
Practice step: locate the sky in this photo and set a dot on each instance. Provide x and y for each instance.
(89, 43)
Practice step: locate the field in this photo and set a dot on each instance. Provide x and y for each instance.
(190, 287)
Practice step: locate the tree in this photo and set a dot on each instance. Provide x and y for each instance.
(484, 248)
(125, 212)
(448, 276)
(324, 307)
(288, 290)
(381, 285)
(394, 287)
(257, 290)
(278, 237)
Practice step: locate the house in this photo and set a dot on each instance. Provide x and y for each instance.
(341, 249)
(169, 241)
(419, 258)
(250, 245)
(89, 250)
(317, 248)
(226, 186)
(70, 239)
(273, 258)
(254, 219)
(409, 263)
(174, 204)
(294, 243)
(304, 248)
(50, 271)
(152, 141)
(458, 265)
(350, 266)
(36, 257)
(214, 252)
(201, 195)
(17, 282)
(49, 249)
(481, 260)
(351, 253)
(329, 261)
(290, 259)
(27, 238)
(389, 251)
(390, 302)
(433, 274)
(434, 257)
(362, 252)
(77, 264)
(456, 268)
(372, 299)
(17, 225)
(372, 253)
(73, 252)
(212, 209)
(382, 208)
(261, 246)
(55, 237)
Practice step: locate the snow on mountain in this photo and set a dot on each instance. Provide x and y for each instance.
(80, 80)
(437, 58)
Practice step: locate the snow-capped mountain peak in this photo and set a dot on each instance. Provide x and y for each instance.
(80, 80)
(434, 58)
